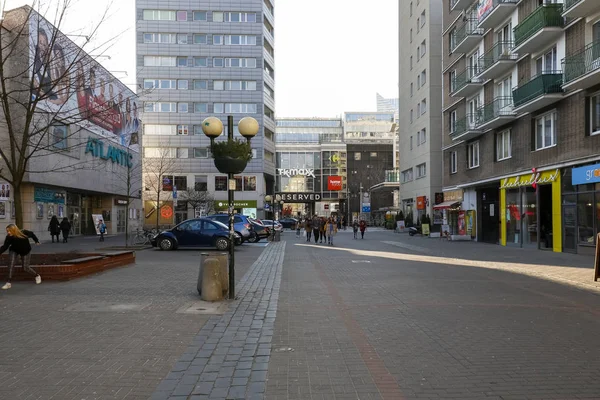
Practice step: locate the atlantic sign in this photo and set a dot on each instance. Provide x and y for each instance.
(289, 172)
(298, 197)
(116, 155)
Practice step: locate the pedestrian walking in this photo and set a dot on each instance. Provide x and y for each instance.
(298, 228)
(355, 228)
(363, 228)
(323, 223)
(339, 223)
(344, 222)
(54, 228)
(17, 243)
(331, 229)
(65, 227)
(308, 228)
(101, 229)
(316, 225)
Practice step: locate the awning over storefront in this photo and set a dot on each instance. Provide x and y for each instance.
(446, 204)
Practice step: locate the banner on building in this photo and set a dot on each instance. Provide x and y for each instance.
(71, 85)
(334, 183)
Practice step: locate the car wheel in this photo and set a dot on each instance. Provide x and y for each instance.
(222, 244)
(166, 244)
(241, 240)
(253, 238)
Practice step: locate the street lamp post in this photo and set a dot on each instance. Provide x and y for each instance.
(212, 128)
(269, 199)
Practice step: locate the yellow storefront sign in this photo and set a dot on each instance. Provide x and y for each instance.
(538, 178)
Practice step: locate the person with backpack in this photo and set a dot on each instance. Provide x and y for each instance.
(17, 243)
(54, 228)
(355, 228)
(363, 228)
(65, 227)
(101, 229)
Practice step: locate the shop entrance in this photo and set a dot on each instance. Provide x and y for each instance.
(545, 217)
(75, 219)
(121, 217)
(489, 198)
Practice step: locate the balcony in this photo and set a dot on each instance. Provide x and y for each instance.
(492, 13)
(392, 175)
(580, 8)
(466, 128)
(466, 36)
(460, 4)
(539, 29)
(466, 83)
(582, 69)
(497, 60)
(541, 91)
(496, 113)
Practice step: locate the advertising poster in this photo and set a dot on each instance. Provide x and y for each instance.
(484, 7)
(471, 225)
(73, 87)
(425, 228)
(462, 228)
(400, 226)
(4, 191)
(2, 209)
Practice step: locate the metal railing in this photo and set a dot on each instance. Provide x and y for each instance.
(495, 4)
(500, 51)
(581, 63)
(467, 29)
(501, 106)
(543, 17)
(469, 123)
(544, 83)
(571, 3)
(465, 77)
(392, 175)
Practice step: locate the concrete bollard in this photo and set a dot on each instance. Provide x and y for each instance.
(211, 280)
(224, 270)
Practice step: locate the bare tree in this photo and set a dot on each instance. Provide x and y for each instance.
(42, 89)
(156, 168)
(199, 199)
(129, 185)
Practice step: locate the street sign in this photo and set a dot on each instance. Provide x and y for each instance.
(366, 209)
(174, 192)
(267, 207)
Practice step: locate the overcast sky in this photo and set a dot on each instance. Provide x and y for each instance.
(331, 56)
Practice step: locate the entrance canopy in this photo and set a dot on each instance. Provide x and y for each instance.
(446, 204)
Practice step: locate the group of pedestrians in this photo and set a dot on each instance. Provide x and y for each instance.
(56, 228)
(324, 229)
(362, 226)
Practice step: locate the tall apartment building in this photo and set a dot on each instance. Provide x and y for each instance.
(200, 59)
(420, 87)
(522, 120)
(392, 105)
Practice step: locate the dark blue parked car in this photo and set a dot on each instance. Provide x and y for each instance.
(199, 232)
(241, 224)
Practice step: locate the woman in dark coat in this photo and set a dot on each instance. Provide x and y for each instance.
(54, 228)
(65, 227)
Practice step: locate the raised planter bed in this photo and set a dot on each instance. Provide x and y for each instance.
(67, 266)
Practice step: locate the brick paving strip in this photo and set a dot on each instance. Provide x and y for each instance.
(229, 358)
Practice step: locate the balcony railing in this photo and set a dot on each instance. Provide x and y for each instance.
(501, 106)
(467, 29)
(500, 51)
(392, 175)
(543, 17)
(468, 123)
(581, 63)
(571, 3)
(464, 78)
(545, 83)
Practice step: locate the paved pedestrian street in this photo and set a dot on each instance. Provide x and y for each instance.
(387, 317)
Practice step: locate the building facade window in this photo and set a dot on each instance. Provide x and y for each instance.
(421, 137)
(503, 145)
(249, 183)
(183, 84)
(153, 129)
(59, 134)
(473, 155)
(545, 130)
(234, 85)
(183, 129)
(158, 15)
(453, 162)
(160, 84)
(182, 38)
(452, 121)
(200, 61)
(160, 38)
(199, 15)
(421, 170)
(160, 61)
(162, 107)
(220, 183)
(232, 40)
(235, 108)
(201, 152)
(200, 38)
(200, 107)
(234, 17)
(183, 107)
(240, 62)
(201, 183)
(200, 84)
(452, 80)
(407, 175)
(595, 114)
